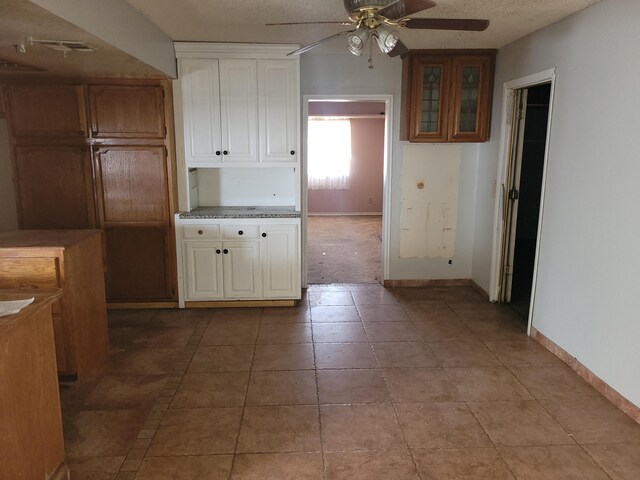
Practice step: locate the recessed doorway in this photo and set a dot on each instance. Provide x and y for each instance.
(344, 175)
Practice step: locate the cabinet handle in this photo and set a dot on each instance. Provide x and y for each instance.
(225, 251)
(218, 152)
(240, 232)
(225, 152)
(292, 152)
(200, 232)
(264, 235)
(218, 251)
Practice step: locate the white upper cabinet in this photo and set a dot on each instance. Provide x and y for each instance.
(239, 110)
(239, 105)
(201, 111)
(277, 80)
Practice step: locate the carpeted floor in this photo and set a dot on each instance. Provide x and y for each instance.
(344, 249)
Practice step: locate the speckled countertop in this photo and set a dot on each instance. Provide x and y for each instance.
(240, 212)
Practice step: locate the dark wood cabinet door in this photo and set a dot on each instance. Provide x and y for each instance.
(55, 187)
(472, 81)
(127, 111)
(430, 99)
(139, 265)
(47, 111)
(132, 185)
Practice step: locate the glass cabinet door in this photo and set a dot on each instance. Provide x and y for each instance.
(469, 119)
(431, 99)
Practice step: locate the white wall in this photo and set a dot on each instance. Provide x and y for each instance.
(326, 74)
(8, 213)
(588, 292)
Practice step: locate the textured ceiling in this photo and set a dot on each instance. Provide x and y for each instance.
(244, 20)
(20, 19)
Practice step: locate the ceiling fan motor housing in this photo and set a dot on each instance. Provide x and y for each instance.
(353, 5)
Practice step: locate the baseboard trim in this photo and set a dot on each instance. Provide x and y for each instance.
(140, 305)
(345, 214)
(242, 304)
(480, 290)
(437, 282)
(587, 375)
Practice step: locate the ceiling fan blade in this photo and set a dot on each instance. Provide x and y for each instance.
(467, 24)
(399, 50)
(404, 8)
(309, 23)
(306, 48)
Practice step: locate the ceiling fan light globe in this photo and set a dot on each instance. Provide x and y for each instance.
(357, 41)
(386, 39)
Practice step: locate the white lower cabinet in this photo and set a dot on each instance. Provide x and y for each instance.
(237, 261)
(241, 266)
(203, 269)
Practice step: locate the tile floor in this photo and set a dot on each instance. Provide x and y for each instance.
(358, 382)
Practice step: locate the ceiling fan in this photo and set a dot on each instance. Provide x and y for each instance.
(377, 19)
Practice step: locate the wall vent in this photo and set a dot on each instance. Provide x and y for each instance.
(63, 45)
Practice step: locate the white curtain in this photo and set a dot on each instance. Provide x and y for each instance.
(329, 147)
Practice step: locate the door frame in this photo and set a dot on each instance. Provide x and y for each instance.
(387, 171)
(546, 76)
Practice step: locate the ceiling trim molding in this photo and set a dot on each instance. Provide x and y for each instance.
(233, 50)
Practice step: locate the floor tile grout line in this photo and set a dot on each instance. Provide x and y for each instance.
(195, 335)
(315, 369)
(393, 407)
(244, 404)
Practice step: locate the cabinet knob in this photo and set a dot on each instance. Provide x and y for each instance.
(240, 232)
(292, 152)
(264, 235)
(225, 152)
(218, 251)
(200, 232)
(218, 152)
(225, 251)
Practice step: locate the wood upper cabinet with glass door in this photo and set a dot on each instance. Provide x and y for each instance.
(447, 95)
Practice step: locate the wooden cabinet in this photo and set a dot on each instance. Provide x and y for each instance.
(241, 269)
(239, 111)
(127, 111)
(280, 265)
(240, 260)
(447, 95)
(71, 260)
(31, 443)
(54, 187)
(278, 110)
(97, 154)
(203, 264)
(47, 111)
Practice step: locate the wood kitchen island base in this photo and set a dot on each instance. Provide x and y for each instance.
(31, 443)
(73, 261)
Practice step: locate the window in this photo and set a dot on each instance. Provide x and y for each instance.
(329, 147)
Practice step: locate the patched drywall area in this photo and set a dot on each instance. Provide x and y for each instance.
(429, 205)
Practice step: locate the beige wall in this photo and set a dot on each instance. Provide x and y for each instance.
(364, 194)
(8, 214)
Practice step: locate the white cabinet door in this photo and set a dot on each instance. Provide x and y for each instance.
(278, 107)
(241, 265)
(203, 262)
(201, 111)
(280, 266)
(239, 110)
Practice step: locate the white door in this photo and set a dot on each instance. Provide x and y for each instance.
(280, 267)
(511, 193)
(241, 265)
(239, 110)
(201, 111)
(203, 261)
(278, 106)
